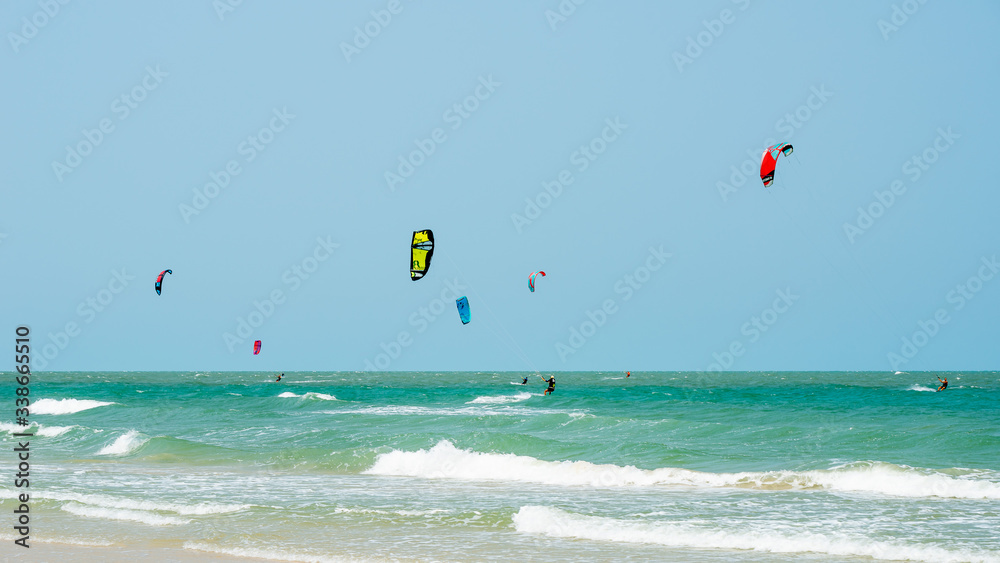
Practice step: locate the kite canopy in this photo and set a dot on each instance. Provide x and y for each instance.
(770, 160)
(421, 250)
(463, 309)
(159, 280)
(531, 280)
(256, 347)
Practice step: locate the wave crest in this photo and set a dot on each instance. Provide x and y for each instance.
(47, 431)
(308, 395)
(65, 406)
(500, 399)
(445, 461)
(124, 444)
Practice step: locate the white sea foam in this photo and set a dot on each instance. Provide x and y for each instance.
(74, 541)
(272, 554)
(11, 428)
(65, 406)
(342, 510)
(554, 522)
(309, 395)
(920, 388)
(59, 539)
(483, 410)
(445, 461)
(140, 516)
(35, 428)
(124, 444)
(105, 501)
(53, 431)
(500, 399)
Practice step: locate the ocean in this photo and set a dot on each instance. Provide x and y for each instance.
(473, 466)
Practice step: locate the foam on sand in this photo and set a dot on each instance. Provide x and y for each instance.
(553, 522)
(271, 554)
(445, 461)
(105, 501)
(141, 516)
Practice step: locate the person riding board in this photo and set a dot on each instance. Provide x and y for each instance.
(552, 384)
(944, 384)
(525, 381)
(279, 378)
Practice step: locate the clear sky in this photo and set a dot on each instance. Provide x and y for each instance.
(637, 116)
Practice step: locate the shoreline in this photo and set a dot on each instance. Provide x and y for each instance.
(57, 551)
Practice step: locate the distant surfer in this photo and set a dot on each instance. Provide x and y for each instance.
(279, 378)
(944, 384)
(552, 384)
(628, 374)
(525, 382)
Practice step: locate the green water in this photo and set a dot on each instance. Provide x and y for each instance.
(465, 466)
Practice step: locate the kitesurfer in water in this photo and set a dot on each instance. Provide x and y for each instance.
(552, 384)
(628, 374)
(279, 378)
(525, 382)
(944, 384)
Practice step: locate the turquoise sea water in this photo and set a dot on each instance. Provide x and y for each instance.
(465, 466)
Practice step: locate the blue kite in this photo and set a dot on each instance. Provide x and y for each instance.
(463, 309)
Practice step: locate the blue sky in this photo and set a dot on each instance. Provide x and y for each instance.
(659, 254)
